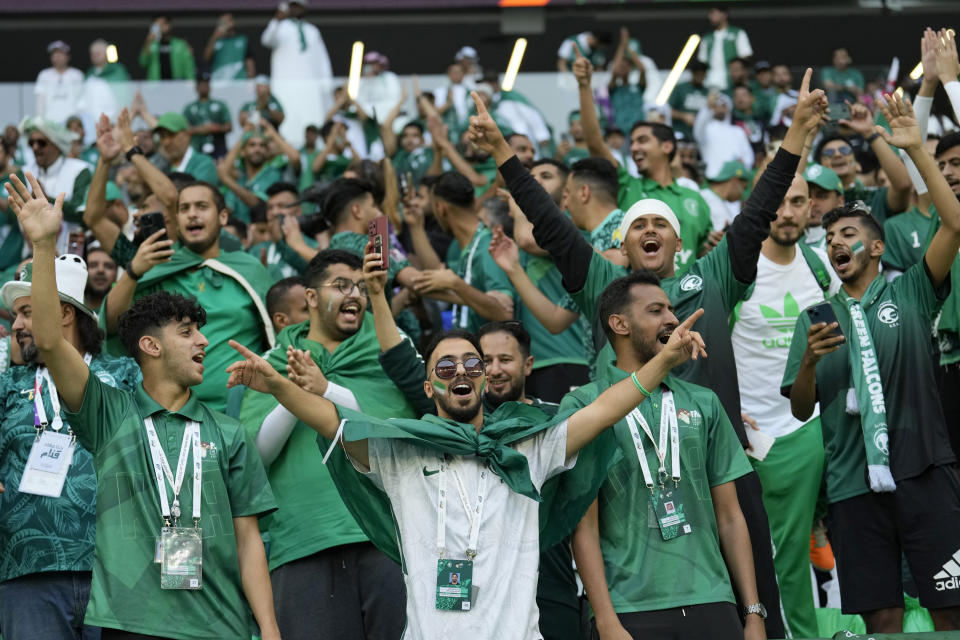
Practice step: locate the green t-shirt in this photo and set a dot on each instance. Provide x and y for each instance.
(645, 572)
(906, 239)
(628, 105)
(416, 162)
(573, 345)
(687, 98)
(607, 235)
(575, 154)
(899, 316)
(488, 169)
(125, 593)
(484, 274)
(111, 72)
(710, 283)
(202, 167)
(849, 77)
(258, 184)
(356, 243)
(272, 105)
(691, 209)
(201, 112)
(873, 197)
(37, 533)
(332, 169)
(231, 315)
(229, 58)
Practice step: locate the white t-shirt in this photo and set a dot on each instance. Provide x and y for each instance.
(506, 567)
(58, 94)
(761, 338)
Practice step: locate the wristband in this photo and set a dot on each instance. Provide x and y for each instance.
(873, 137)
(640, 388)
(129, 269)
(134, 151)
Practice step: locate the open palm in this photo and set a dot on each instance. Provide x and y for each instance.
(40, 220)
(904, 128)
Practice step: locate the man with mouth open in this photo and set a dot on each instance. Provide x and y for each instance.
(230, 285)
(477, 477)
(155, 573)
(890, 482)
(716, 282)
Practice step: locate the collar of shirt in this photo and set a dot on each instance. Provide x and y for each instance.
(148, 406)
(182, 167)
(649, 184)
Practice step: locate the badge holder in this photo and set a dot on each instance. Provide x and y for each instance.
(181, 560)
(668, 509)
(454, 584)
(455, 588)
(52, 452)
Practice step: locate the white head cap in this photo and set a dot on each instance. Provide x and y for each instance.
(648, 207)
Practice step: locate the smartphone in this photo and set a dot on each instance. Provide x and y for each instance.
(380, 237)
(76, 241)
(839, 111)
(823, 312)
(150, 223)
(404, 185)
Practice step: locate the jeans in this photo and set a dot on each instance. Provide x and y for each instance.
(48, 605)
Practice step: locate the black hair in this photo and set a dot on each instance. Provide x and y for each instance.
(258, 212)
(429, 181)
(947, 142)
(616, 297)
(696, 65)
(827, 139)
(312, 127)
(514, 327)
(454, 188)
(327, 128)
(282, 187)
(180, 179)
(277, 292)
(518, 135)
(600, 174)
(604, 37)
(90, 334)
(218, 200)
(868, 161)
(498, 214)
(413, 123)
(693, 171)
(371, 172)
(151, 313)
(316, 270)
(234, 221)
(660, 131)
(561, 168)
(340, 195)
(742, 61)
(449, 335)
(854, 209)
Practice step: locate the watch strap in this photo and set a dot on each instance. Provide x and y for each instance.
(135, 151)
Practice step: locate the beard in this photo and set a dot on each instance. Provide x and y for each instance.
(511, 394)
(458, 413)
(781, 236)
(644, 349)
(28, 349)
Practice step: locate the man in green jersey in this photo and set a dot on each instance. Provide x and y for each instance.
(286, 250)
(248, 182)
(46, 536)
(890, 482)
(229, 284)
(174, 133)
(322, 566)
(226, 52)
(654, 549)
(826, 194)
(591, 198)
(688, 98)
(209, 120)
(155, 573)
(652, 147)
(651, 235)
(841, 81)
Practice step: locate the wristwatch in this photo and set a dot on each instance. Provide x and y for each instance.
(134, 151)
(872, 137)
(130, 272)
(758, 609)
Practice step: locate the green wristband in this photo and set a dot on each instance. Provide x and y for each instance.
(640, 388)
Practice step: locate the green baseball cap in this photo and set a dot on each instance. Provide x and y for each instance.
(731, 169)
(823, 177)
(172, 121)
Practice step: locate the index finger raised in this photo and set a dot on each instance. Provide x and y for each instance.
(477, 100)
(691, 319)
(576, 49)
(246, 353)
(805, 83)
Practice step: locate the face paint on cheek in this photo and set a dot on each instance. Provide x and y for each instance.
(440, 387)
(857, 247)
(329, 305)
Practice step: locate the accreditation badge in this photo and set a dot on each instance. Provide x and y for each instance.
(181, 562)
(47, 465)
(668, 509)
(455, 590)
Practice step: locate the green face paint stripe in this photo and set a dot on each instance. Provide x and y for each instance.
(440, 387)
(857, 247)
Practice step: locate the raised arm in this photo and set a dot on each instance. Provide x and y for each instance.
(387, 135)
(554, 232)
(413, 218)
(898, 193)
(157, 180)
(105, 231)
(225, 173)
(41, 222)
(583, 71)
(287, 149)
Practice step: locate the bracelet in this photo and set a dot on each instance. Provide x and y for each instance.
(640, 387)
(873, 137)
(134, 151)
(130, 272)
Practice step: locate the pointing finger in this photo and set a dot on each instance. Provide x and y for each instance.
(477, 100)
(576, 49)
(689, 322)
(805, 84)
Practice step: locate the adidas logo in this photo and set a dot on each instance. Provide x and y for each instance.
(786, 321)
(949, 578)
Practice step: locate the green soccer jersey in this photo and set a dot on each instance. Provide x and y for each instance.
(645, 572)
(487, 169)
(356, 243)
(282, 261)
(229, 58)
(628, 105)
(272, 105)
(201, 112)
(474, 264)
(687, 98)
(415, 162)
(710, 283)
(333, 168)
(873, 197)
(258, 184)
(906, 239)
(607, 234)
(899, 316)
(575, 154)
(845, 79)
(201, 167)
(37, 533)
(125, 593)
(573, 345)
(691, 209)
(111, 72)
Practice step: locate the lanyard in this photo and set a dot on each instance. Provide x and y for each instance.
(462, 309)
(161, 468)
(668, 421)
(41, 378)
(473, 515)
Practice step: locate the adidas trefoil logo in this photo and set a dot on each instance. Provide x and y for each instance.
(949, 578)
(783, 322)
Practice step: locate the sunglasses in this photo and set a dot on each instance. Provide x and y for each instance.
(345, 286)
(843, 151)
(856, 206)
(38, 142)
(446, 369)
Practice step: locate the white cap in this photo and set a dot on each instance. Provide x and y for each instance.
(648, 207)
(466, 52)
(71, 273)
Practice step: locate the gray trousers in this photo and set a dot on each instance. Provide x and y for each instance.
(350, 592)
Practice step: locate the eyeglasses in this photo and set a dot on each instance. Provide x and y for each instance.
(844, 151)
(856, 205)
(40, 143)
(446, 369)
(345, 286)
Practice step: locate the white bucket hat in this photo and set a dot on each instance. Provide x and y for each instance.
(71, 283)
